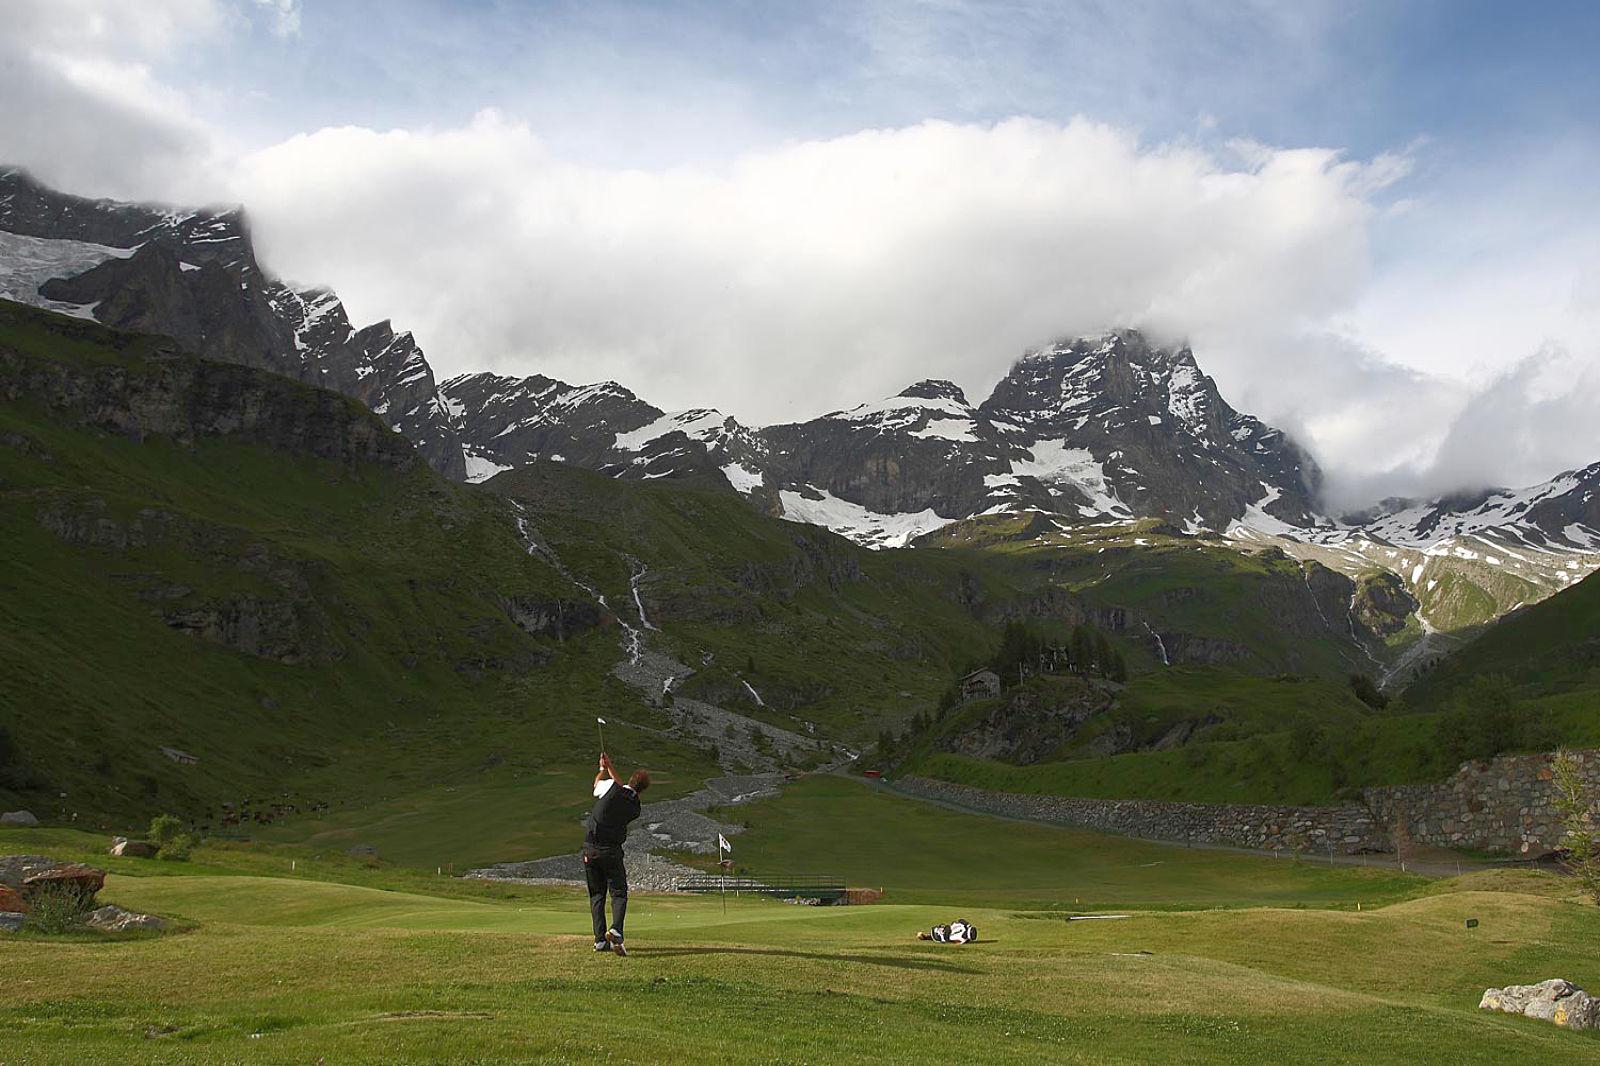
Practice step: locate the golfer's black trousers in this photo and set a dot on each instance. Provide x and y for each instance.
(604, 869)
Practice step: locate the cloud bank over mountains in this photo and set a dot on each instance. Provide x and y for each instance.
(816, 272)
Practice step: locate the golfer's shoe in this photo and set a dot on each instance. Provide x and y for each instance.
(602, 945)
(614, 941)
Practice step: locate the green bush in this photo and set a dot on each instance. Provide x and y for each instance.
(174, 843)
(1366, 690)
(55, 909)
(165, 828)
(178, 849)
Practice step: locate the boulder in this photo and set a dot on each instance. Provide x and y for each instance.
(133, 849)
(14, 869)
(74, 877)
(11, 900)
(11, 921)
(1555, 1000)
(111, 919)
(18, 820)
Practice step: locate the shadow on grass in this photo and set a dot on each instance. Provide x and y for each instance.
(897, 961)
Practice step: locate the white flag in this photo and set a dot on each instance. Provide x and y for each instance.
(723, 845)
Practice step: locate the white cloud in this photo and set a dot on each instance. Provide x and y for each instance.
(82, 106)
(780, 282)
(812, 275)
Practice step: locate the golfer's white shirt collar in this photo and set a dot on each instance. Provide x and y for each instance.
(605, 786)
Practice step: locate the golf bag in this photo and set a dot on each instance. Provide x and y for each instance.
(959, 931)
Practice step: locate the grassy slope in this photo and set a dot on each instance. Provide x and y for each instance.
(1181, 585)
(285, 970)
(439, 731)
(408, 570)
(1550, 651)
(823, 629)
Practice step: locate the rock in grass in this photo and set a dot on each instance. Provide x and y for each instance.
(1555, 1000)
(18, 820)
(11, 921)
(132, 849)
(14, 869)
(84, 881)
(112, 919)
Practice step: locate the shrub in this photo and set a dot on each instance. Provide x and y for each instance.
(1578, 818)
(173, 842)
(55, 909)
(1366, 690)
(178, 849)
(165, 828)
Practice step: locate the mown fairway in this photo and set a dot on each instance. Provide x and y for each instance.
(342, 963)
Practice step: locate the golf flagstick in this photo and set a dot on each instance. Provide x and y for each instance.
(724, 846)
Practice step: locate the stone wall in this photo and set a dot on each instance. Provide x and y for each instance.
(1349, 829)
(1504, 805)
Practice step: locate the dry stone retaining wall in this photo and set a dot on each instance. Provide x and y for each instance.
(1504, 805)
(1342, 829)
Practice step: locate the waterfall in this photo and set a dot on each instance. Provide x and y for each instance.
(1161, 645)
(632, 638)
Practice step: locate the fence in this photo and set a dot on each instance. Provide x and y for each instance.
(826, 889)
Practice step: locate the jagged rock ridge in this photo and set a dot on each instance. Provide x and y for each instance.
(193, 275)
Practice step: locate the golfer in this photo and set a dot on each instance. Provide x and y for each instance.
(617, 805)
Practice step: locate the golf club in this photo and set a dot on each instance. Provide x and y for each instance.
(600, 786)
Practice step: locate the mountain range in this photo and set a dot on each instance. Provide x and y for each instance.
(1086, 433)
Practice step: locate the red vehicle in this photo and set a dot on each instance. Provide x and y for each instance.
(872, 773)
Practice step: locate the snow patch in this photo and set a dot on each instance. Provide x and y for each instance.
(481, 469)
(28, 262)
(697, 424)
(854, 521)
(742, 478)
(1054, 463)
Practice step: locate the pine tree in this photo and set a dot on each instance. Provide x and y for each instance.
(1082, 650)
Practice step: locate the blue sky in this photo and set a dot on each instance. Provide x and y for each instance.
(1363, 76)
(1393, 201)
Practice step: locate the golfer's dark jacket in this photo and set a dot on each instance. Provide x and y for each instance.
(607, 824)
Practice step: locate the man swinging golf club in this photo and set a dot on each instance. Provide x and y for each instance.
(616, 805)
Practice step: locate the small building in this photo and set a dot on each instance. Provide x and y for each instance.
(980, 685)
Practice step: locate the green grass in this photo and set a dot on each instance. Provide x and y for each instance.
(1550, 650)
(495, 817)
(923, 853)
(273, 969)
(415, 692)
